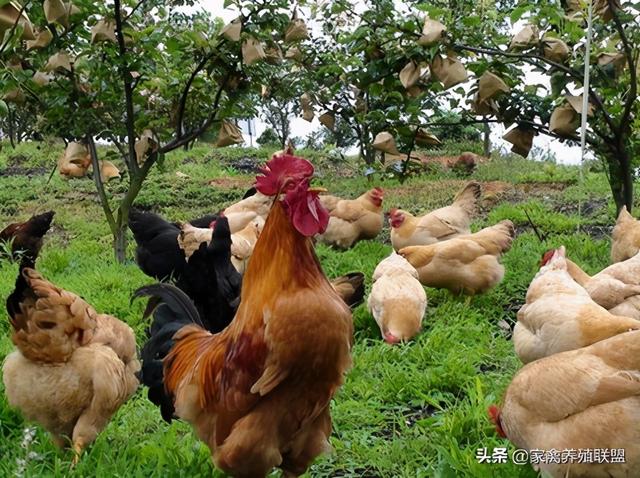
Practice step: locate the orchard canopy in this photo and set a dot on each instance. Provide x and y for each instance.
(149, 77)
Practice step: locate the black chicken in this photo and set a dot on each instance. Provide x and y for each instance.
(157, 253)
(212, 288)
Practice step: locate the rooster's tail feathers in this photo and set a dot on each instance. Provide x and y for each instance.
(172, 310)
(350, 287)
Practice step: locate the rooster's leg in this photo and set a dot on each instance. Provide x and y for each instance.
(77, 451)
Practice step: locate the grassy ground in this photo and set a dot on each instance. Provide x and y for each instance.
(413, 410)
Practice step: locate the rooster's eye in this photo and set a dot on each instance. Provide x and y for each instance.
(289, 184)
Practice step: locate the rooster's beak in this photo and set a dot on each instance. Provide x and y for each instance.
(317, 190)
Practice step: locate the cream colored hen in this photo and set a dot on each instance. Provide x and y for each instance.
(466, 264)
(439, 225)
(259, 204)
(242, 242)
(352, 220)
(397, 300)
(73, 368)
(582, 399)
(616, 288)
(559, 315)
(625, 237)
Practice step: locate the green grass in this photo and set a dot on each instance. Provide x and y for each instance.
(413, 410)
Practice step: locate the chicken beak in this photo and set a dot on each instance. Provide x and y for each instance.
(317, 190)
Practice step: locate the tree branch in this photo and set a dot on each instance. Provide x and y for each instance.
(531, 59)
(185, 92)
(462, 122)
(97, 178)
(131, 162)
(633, 87)
(181, 141)
(138, 5)
(15, 25)
(405, 163)
(118, 146)
(544, 130)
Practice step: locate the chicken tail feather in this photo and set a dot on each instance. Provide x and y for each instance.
(350, 287)
(172, 310)
(468, 197)
(48, 323)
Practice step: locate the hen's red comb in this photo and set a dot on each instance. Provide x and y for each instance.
(546, 257)
(393, 211)
(281, 171)
(494, 416)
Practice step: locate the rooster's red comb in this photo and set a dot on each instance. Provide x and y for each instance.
(282, 171)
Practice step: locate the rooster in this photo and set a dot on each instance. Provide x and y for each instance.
(26, 237)
(258, 393)
(73, 368)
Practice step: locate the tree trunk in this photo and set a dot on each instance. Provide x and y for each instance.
(282, 131)
(11, 130)
(120, 242)
(122, 220)
(621, 180)
(627, 184)
(487, 141)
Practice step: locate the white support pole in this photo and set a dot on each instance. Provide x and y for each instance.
(585, 101)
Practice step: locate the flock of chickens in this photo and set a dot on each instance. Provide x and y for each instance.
(579, 337)
(249, 340)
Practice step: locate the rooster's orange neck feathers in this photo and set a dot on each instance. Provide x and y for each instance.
(282, 253)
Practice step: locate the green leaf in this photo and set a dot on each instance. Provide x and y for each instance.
(558, 82)
(472, 21)
(172, 45)
(4, 109)
(518, 12)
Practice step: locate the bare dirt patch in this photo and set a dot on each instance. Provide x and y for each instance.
(231, 183)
